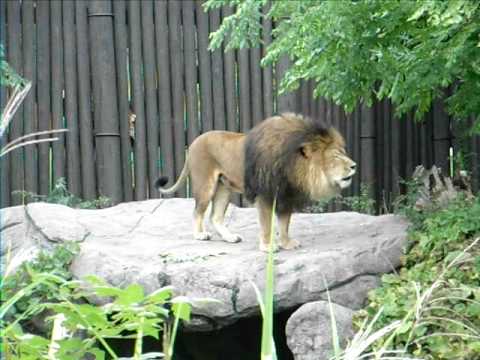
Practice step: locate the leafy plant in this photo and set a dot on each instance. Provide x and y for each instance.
(8, 76)
(355, 51)
(440, 280)
(128, 313)
(362, 203)
(60, 195)
(55, 263)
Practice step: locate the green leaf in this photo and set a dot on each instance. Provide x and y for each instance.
(132, 294)
(160, 296)
(99, 354)
(181, 308)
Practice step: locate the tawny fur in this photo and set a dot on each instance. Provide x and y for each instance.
(286, 156)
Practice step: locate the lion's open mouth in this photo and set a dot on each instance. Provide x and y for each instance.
(347, 178)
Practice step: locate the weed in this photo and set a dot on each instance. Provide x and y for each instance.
(362, 203)
(45, 285)
(440, 279)
(61, 195)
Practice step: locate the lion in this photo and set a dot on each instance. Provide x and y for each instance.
(287, 157)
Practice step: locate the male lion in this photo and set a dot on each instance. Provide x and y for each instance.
(288, 157)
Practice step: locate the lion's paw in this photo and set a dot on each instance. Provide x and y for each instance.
(233, 238)
(290, 245)
(266, 247)
(203, 236)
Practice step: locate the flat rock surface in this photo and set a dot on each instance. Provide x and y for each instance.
(151, 243)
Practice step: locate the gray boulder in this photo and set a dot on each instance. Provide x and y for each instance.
(151, 243)
(309, 330)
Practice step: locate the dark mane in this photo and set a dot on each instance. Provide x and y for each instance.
(272, 148)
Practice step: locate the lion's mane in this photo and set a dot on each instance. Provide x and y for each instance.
(274, 164)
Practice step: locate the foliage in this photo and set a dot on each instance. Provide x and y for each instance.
(43, 286)
(8, 76)
(55, 263)
(61, 195)
(407, 51)
(444, 278)
(362, 203)
(404, 204)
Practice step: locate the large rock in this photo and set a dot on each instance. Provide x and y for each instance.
(151, 243)
(309, 330)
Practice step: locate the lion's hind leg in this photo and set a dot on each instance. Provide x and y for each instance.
(199, 232)
(202, 197)
(220, 202)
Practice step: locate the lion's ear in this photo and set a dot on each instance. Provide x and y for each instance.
(306, 149)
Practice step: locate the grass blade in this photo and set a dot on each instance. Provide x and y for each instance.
(268, 346)
(335, 339)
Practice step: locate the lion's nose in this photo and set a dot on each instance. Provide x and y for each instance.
(353, 166)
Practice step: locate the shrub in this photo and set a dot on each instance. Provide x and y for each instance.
(61, 195)
(447, 324)
(76, 327)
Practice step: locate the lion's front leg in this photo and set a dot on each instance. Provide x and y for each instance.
(283, 224)
(265, 218)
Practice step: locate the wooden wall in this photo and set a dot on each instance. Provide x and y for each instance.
(95, 63)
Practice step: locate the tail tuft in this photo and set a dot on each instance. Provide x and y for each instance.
(161, 182)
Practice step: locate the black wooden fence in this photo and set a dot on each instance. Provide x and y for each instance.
(134, 83)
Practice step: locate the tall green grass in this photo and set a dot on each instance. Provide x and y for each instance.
(268, 351)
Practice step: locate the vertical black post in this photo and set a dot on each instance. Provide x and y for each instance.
(230, 82)
(268, 105)
(121, 40)
(396, 152)
(148, 42)
(357, 154)
(367, 135)
(89, 190)
(217, 77)
(43, 96)
(17, 169)
(71, 97)
(475, 162)
(176, 63)
(441, 136)
(387, 142)
(381, 152)
(256, 85)
(191, 71)
(286, 101)
(164, 89)
(4, 161)
(244, 90)
(305, 97)
(408, 155)
(105, 100)
(30, 118)
(57, 83)
(206, 106)
(314, 108)
(136, 61)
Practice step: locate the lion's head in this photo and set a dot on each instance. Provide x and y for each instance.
(326, 167)
(297, 160)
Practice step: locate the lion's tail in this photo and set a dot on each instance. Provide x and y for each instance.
(163, 180)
